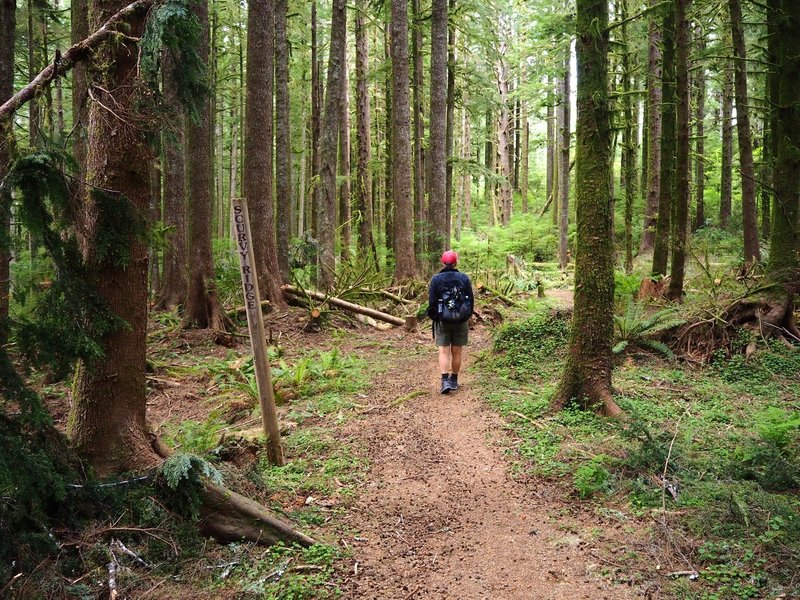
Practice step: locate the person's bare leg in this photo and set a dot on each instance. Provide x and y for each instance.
(445, 359)
(455, 365)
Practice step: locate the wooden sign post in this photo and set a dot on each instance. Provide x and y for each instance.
(255, 324)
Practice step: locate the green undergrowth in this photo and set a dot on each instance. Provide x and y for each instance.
(727, 436)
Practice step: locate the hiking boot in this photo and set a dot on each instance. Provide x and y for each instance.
(446, 386)
(452, 381)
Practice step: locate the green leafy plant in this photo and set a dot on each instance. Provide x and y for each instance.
(182, 480)
(592, 477)
(634, 328)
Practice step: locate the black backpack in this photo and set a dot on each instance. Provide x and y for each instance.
(454, 305)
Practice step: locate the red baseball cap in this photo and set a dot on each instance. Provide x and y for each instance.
(449, 258)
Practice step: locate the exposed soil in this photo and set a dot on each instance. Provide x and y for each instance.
(440, 515)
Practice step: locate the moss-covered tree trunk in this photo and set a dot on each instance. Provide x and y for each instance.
(668, 141)
(563, 166)
(745, 136)
(418, 77)
(203, 308)
(7, 27)
(681, 225)
(437, 144)
(586, 380)
(283, 142)
(700, 134)
(345, 218)
(726, 169)
(784, 261)
(653, 131)
(107, 419)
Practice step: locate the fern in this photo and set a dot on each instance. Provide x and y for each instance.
(634, 328)
(182, 482)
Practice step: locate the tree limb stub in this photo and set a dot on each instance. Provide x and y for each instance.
(231, 517)
(76, 53)
(343, 304)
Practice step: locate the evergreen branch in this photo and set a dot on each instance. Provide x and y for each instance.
(76, 53)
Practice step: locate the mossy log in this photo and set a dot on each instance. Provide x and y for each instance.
(343, 304)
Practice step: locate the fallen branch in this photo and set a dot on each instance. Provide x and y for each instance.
(343, 304)
(240, 310)
(64, 62)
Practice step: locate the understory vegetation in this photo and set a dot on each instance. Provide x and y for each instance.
(707, 459)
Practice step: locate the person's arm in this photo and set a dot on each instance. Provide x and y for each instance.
(433, 296)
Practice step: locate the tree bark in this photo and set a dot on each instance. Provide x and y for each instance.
(345, 210)
(488, 180)
(420, 208)
(203, 307)
(8, 20)
(334, 90)
(106, 423)
(773, 97)
(550, 154)
(752, 253)
(668, 141)
(654, 126)
(363, 178)
(316, 123)
(784, 256)
(628, 141)
(258, 147)
(437, 144)
(682, 193)
(405, 265)
(700, 134)
(586, 380)
(283, 140)
(525, 154)
(563, 168)
(726, 174)
(174, 282)
(504, 133)
(79, 30)
(451, 111)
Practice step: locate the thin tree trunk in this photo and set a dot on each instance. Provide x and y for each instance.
(345, 211)
(334, 90)
(305, 158)
(437, 145)
(153, 217)
(682, 192)
(700, 135)
(258, 147)
(654, 132)
(106, 423)
(752, 253)
(488, 181)
(586, 380)
(174, 282)
(550, 155)
(8, 20)
(316, 124)
(772, 94)
(363, 178)
(525, 152)
(34, 117)
(451, 111)
(563, 168)
(628, 171)
(668, 143)
(726, 183)
(504, 139)
(203, 307)
(405, 265)
(283, 141)
(234, 175)
(420, 208)
(388, 196)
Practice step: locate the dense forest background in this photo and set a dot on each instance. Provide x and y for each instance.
(644, 154)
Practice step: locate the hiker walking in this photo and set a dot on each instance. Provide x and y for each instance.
(450, 304)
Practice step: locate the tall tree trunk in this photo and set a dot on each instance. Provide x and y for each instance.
(388, 158)
(8, 20)
(586, 380)
(550, 155)
(174, 282)
(283, 140)
(334, 90)
(668, 142)
(363, 179)
(305, 160)
(752, 253)
(784, 256)
(517, 140)
(258, 147)
(79, 30)
(34, 117)
(700, 134)
(525, 152)
(316, 123)
(451, 111)
(628, 171)
(153, 217)
(345, 211)
(405, 266)
(106, 423)
(504, 134)
(437, 144)
(773, 97)
(726, 182)
(682, 192)
(563, 168)
(654, 132)
(488, 180)
(420, 208)
(233, 180)
(203, 307)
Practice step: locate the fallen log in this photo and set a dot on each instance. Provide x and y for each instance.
(266, 306)
(344, 304)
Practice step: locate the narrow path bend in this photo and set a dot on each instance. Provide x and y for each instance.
(440, 517)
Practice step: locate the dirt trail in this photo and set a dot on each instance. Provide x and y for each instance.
(440, 517)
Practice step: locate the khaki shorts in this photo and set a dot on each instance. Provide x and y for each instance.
(451, 334)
